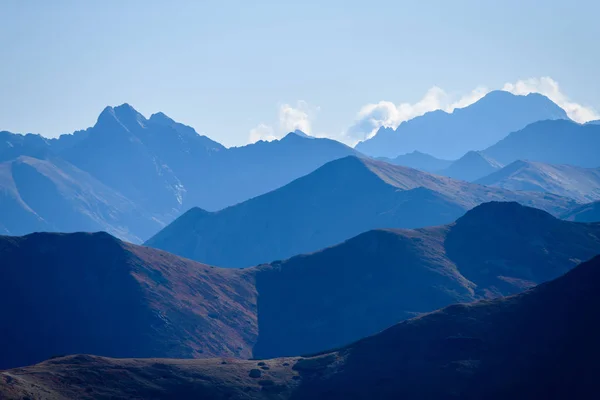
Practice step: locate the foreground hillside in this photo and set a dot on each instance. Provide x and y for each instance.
(336, 202)
(121, 300)
(93, 293)
(539, 344)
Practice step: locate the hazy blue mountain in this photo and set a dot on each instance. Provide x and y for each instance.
(163, 167)
(552, 142)
(167, 167)
(144, 159)
(471, 167)
(450, 135)
(339, 200)
(14, 145)
(581, 184)
(158, 304)
(585, 213)
(244, 172)
(595, 122)
(53, 195)
(418, 160)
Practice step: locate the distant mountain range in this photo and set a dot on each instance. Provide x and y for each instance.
(418, 160)
(451, 135)
(338, 201)
(130, 175)
(91, 293)
(471, 167)
(540, 344)
(581, 184)
(552, 142)
(168, 166)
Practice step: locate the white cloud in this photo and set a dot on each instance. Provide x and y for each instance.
(291, 118)
(549, 88)
(262, 132)
(385, 113)
(371, 117)
(299, 117)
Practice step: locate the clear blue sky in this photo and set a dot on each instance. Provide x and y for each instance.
(226, 66)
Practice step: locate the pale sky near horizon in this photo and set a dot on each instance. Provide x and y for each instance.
(242, 70)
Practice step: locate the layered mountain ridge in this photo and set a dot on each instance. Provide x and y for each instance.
(160, 305)
(538, 344)
(451, 135)
(337, 201)
(160, 166)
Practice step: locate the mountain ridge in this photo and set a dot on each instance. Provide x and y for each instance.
(312, 212)
(168, 306)
(564, 142)
(472, 166)
(475, 127)
(580, 184)
(538, 344)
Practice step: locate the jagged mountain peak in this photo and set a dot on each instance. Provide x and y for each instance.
(124, 115)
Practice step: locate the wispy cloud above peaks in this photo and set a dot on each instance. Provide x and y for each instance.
(549, 88)
(371, 117)
(262, 132)
(291, 118)
(299, 117)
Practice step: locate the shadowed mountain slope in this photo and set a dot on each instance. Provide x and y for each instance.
(586, 213)
(339, 200)
(72, 293)
(475, 127)
(538, 344)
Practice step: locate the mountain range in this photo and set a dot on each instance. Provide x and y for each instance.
(552, 142)
(420, 161)
(130, 175)
(336, 202)
(580, 184)
(470, 167)
(450, 135)
(92, 293)
(538, 344)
